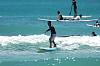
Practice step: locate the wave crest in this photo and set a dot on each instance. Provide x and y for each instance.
(64, 43)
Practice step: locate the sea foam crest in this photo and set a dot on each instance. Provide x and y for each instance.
(74, 42)
(5, 40)
(69, 43)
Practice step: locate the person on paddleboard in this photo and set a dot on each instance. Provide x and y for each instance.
(59, 16)
(75, 7)
(53, 34)
(97, 24)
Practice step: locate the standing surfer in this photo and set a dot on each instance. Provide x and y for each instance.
(53, 34)
(75, 7)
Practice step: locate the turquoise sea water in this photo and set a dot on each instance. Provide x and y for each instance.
(21, 34)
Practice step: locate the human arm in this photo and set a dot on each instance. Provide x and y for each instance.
(47, 30)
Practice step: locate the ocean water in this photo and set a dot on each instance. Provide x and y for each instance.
(22, 34)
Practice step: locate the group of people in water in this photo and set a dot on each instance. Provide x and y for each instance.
(60, 17)
(52, 29)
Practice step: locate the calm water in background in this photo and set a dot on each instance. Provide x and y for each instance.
(21, 34)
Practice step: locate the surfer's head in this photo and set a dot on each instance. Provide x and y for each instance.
(49, 23)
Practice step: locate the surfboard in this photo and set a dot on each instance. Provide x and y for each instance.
(48, 49)
(68, 20)
(92, 25)
(78, 16)
(89, 25)
(41, 19)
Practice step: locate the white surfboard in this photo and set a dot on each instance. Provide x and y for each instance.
(41, 19)
(92, 25)
(68, 20)
(89, 25)
(48, 49)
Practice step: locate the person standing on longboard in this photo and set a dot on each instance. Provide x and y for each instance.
(75, 7)
(53, 34)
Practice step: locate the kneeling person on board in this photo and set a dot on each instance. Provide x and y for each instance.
(59, 16)
(53, 34)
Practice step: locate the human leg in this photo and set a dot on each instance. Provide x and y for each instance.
(53, 38)
(54, 44)
(50, 42)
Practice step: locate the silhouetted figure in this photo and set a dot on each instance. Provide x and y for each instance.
(59, 16)
(94, 34)
(75, 7)
(97, 24)
(53, 34)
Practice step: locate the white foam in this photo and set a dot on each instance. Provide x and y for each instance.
(72, 42)
(4, 40)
